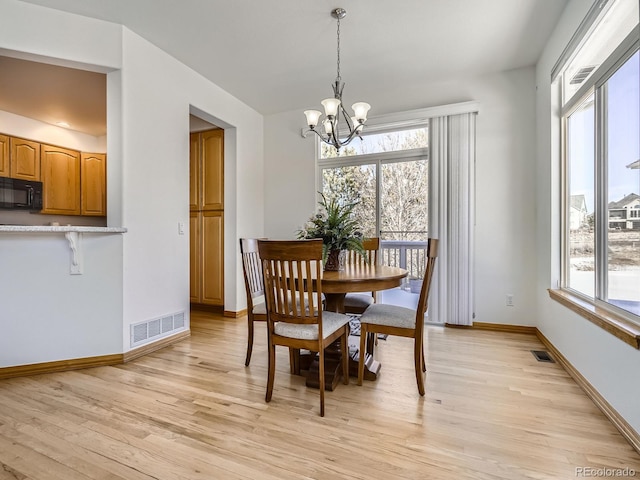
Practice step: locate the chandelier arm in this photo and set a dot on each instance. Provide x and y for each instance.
(316, 132)
(346, 118)
(356, 132)
(335, 135)
(335, 141)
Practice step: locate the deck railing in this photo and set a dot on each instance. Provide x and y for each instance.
(408, 254)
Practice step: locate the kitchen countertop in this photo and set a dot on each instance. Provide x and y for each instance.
(59, 229)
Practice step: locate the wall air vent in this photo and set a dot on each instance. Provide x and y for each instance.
(542, 356)
(151, 330)
(178, 320)
(581, 75)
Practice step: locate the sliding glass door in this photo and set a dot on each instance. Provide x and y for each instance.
(390, 188)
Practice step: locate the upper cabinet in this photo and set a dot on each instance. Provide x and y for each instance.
(93, 177)
(19, 158)
(4, 156)
(25, 159)
(206, 190)
(194, 171)
(61, 180)
(73, 183)
(213, 170)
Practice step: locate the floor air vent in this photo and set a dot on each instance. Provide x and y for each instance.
(144, 332)
(542, 356)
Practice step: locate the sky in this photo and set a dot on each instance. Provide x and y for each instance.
(623, 145)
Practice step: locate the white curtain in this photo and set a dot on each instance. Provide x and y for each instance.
(452, 143)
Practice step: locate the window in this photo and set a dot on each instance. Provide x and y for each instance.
(390, 184)
(580, 168)
(599, 88)
(395, 141)
(433, 183)
(387, 174)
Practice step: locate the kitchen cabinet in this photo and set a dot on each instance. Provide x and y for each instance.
(194, 263)
(207, 257)
(194, 171)
(212, 170)
(74, 183)
(4, 156)
(206, 177)
(212, 280)
(206, 203)
(61, 180)
(24, 159)
(93, 184)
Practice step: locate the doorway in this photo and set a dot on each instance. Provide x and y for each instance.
(206, 214)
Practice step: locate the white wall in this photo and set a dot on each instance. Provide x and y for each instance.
(58, 316)
(609, 364)
(149, 98)
(156, 178)
(289, 176)
(505, 218)
(47, 314)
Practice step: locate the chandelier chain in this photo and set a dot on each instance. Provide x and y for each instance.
(334, 110)
(338, 78)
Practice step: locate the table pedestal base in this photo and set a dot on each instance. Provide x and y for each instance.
(332, 374)
(371, 366)
(333, 367)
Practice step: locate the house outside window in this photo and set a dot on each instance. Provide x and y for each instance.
(599, 83)
(578, 212)
(623, 214)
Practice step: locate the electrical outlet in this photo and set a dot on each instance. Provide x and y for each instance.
(180, 228)
(510, 300)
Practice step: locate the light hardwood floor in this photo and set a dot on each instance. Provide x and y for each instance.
(194, 411)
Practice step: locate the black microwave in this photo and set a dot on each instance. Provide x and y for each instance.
(16, 194)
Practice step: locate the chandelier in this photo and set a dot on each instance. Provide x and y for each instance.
(333, 108)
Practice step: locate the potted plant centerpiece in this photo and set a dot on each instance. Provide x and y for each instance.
(338, 229)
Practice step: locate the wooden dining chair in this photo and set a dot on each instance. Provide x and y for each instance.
(254, 286)
(256, 306)
(295, 319)
(401, 321)
(357, 303)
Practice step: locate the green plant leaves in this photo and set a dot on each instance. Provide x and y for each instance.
(335, 225)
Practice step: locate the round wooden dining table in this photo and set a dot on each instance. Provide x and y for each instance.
(335, 286)
(358, 278)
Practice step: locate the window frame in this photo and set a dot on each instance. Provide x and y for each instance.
(612, 318)
(376, 159)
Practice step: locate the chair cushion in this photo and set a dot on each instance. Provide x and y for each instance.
(260, 309)
(331, 322)
(358, 300)
(392, 315)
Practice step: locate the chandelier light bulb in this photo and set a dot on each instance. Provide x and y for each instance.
(312, 117)
(360, 110)
(330, 106)
(328, 126)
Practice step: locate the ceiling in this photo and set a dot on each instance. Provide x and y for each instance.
(54, 94)
(280, 55)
